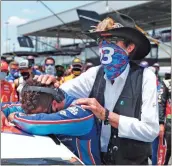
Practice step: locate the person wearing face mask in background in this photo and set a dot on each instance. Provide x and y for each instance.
(6, 87)
(77, 68)
(120, 93)
(50, 66)
(60, 73)
(156, 66)
(8, 91)
(13, 72)
(31, 60)
(26, 73)
(36, 70)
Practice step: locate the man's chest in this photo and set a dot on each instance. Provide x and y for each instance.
(112, 93)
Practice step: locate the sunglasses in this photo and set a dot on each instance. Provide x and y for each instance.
(113, 40)
(49, 64)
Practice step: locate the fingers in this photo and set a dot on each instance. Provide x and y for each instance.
(45, 79)
(83, 101)
(86, 107)
(57, 84)
(39, 79)
(6, 123)
(36, 77)
(51, 79)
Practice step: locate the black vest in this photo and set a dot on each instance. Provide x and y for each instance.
(122, 151)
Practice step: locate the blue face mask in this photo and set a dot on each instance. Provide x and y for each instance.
(113, 58)
(50, 69)
(14, 73)
(36, 72)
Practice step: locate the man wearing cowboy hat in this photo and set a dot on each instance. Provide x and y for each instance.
(121, 94)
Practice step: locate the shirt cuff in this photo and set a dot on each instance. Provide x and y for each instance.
(124, 123)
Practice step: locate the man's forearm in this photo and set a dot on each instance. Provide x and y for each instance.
(7, 111)
(113, 118)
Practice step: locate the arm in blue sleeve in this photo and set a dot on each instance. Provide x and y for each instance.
(11, 108)
(73, 121)
(68, 100)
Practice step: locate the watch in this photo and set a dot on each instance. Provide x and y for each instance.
(106, 121)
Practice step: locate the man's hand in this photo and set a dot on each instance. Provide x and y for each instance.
(47, 79)
(161, 131)
(93, 105)
(4, 121)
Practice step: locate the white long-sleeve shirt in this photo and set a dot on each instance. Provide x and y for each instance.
(145, 130)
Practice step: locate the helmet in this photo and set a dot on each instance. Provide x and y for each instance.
(76, 60)
(77, 64)
(4, 66)
(144, 64)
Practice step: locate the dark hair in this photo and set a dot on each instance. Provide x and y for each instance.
(127, 42)
(32, 100)
(49, 58)
(167, 76)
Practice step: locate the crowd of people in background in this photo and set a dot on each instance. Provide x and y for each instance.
(17, 73)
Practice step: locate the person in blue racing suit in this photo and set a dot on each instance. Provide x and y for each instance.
(40, 114)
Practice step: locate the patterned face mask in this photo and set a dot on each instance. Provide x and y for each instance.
(14, 73)
(113, 58)
(50, 69)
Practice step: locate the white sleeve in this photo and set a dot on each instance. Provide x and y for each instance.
(81, 86)
(148, 128)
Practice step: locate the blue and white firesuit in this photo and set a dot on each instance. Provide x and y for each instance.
(10, 78)
(75, 127)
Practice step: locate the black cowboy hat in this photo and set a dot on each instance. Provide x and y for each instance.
(126, 30)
